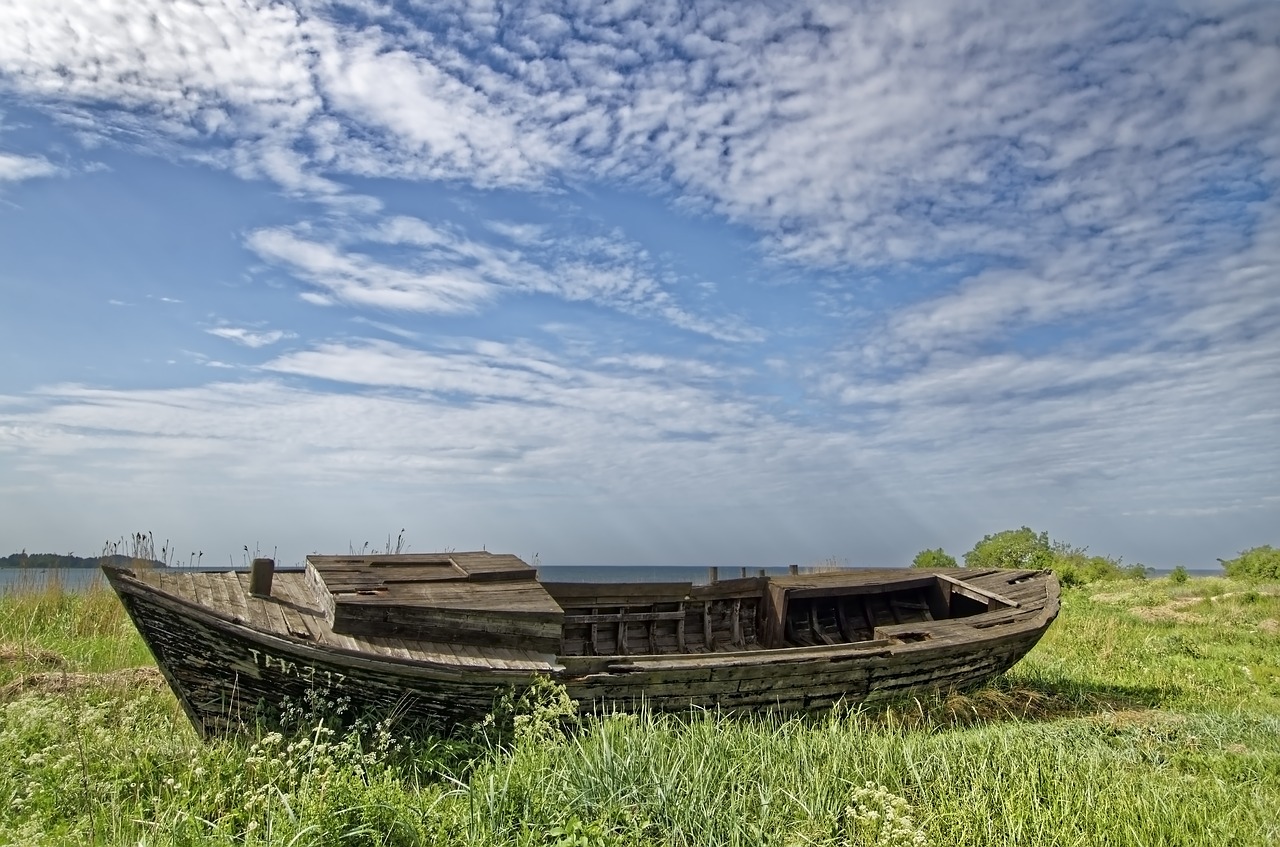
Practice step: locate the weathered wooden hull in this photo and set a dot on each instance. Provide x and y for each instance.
(233, 660)
(806, 679)
(228, 676)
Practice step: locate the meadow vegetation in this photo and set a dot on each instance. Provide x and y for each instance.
(1261, 563)
(1148, 715)
(936, 558)
(1026, 548)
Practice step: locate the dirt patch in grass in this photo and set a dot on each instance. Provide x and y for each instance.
(1115, 598)
(69, 682)
(1004, 702)
(23, 654)
(1143, 718)
(1171, 611)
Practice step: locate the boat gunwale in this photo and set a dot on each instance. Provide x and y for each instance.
(966, 634)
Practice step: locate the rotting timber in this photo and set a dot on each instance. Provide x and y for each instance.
(434, 639)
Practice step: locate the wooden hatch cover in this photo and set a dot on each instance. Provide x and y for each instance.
(478, 598)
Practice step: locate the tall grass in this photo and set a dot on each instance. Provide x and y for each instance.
(1147, 716)
(85, 627)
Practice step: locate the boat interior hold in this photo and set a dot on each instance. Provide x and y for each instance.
(497, 600)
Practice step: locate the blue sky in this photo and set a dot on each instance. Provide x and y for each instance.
(640, 283)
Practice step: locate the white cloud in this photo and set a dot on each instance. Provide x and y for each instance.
(843, 134)
(15, 168)
(451, 272)
(524, 234)
(284, 91)
(361, 281)
(251, 338)
(479, 423)
(439, 126)
(231, 67)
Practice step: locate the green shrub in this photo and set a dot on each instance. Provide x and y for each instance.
(933, 559)
(1179, 575)
(1074, 566)
(1255, 563)
(1013, 548)
(1025, 548)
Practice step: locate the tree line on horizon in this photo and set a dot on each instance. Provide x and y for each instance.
(1025, 548)
(61, 560)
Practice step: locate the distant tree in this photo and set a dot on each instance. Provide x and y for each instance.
(933, 559)
(1013, 548)
(1255, 563)
(46, 560)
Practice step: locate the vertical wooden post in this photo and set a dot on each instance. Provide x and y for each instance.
(260, 573)
(842, 619)
(595, 633)
(793, 569)
(869, 617)
(713, 575)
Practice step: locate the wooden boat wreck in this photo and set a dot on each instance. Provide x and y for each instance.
(434, 639)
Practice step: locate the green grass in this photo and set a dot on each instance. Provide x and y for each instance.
(1147, 716)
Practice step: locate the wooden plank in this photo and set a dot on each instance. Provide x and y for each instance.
(595, 635)
(203, 592)
(975, 593)
(842, 620)
(939, 598)
(681, 645)
(727, 589)
(294, 592)
(706, 624)
(768, 660)
(849, 583)
(472, 655)
(294, 623)
(737, 622)
(275, 614)
(774, 612)
(256, 613)
(236, 599)
(816, 625)
(617, 594)
(792, 636)
(617, 616)
(227, 594)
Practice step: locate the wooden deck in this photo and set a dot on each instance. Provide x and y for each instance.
(296, 613)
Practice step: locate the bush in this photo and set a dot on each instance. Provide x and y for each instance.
(1255, 563)
(933, 559)
(1178, 576)
(1082, 569)
(1013, 548)
(1074, 566)
(1025, 548)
